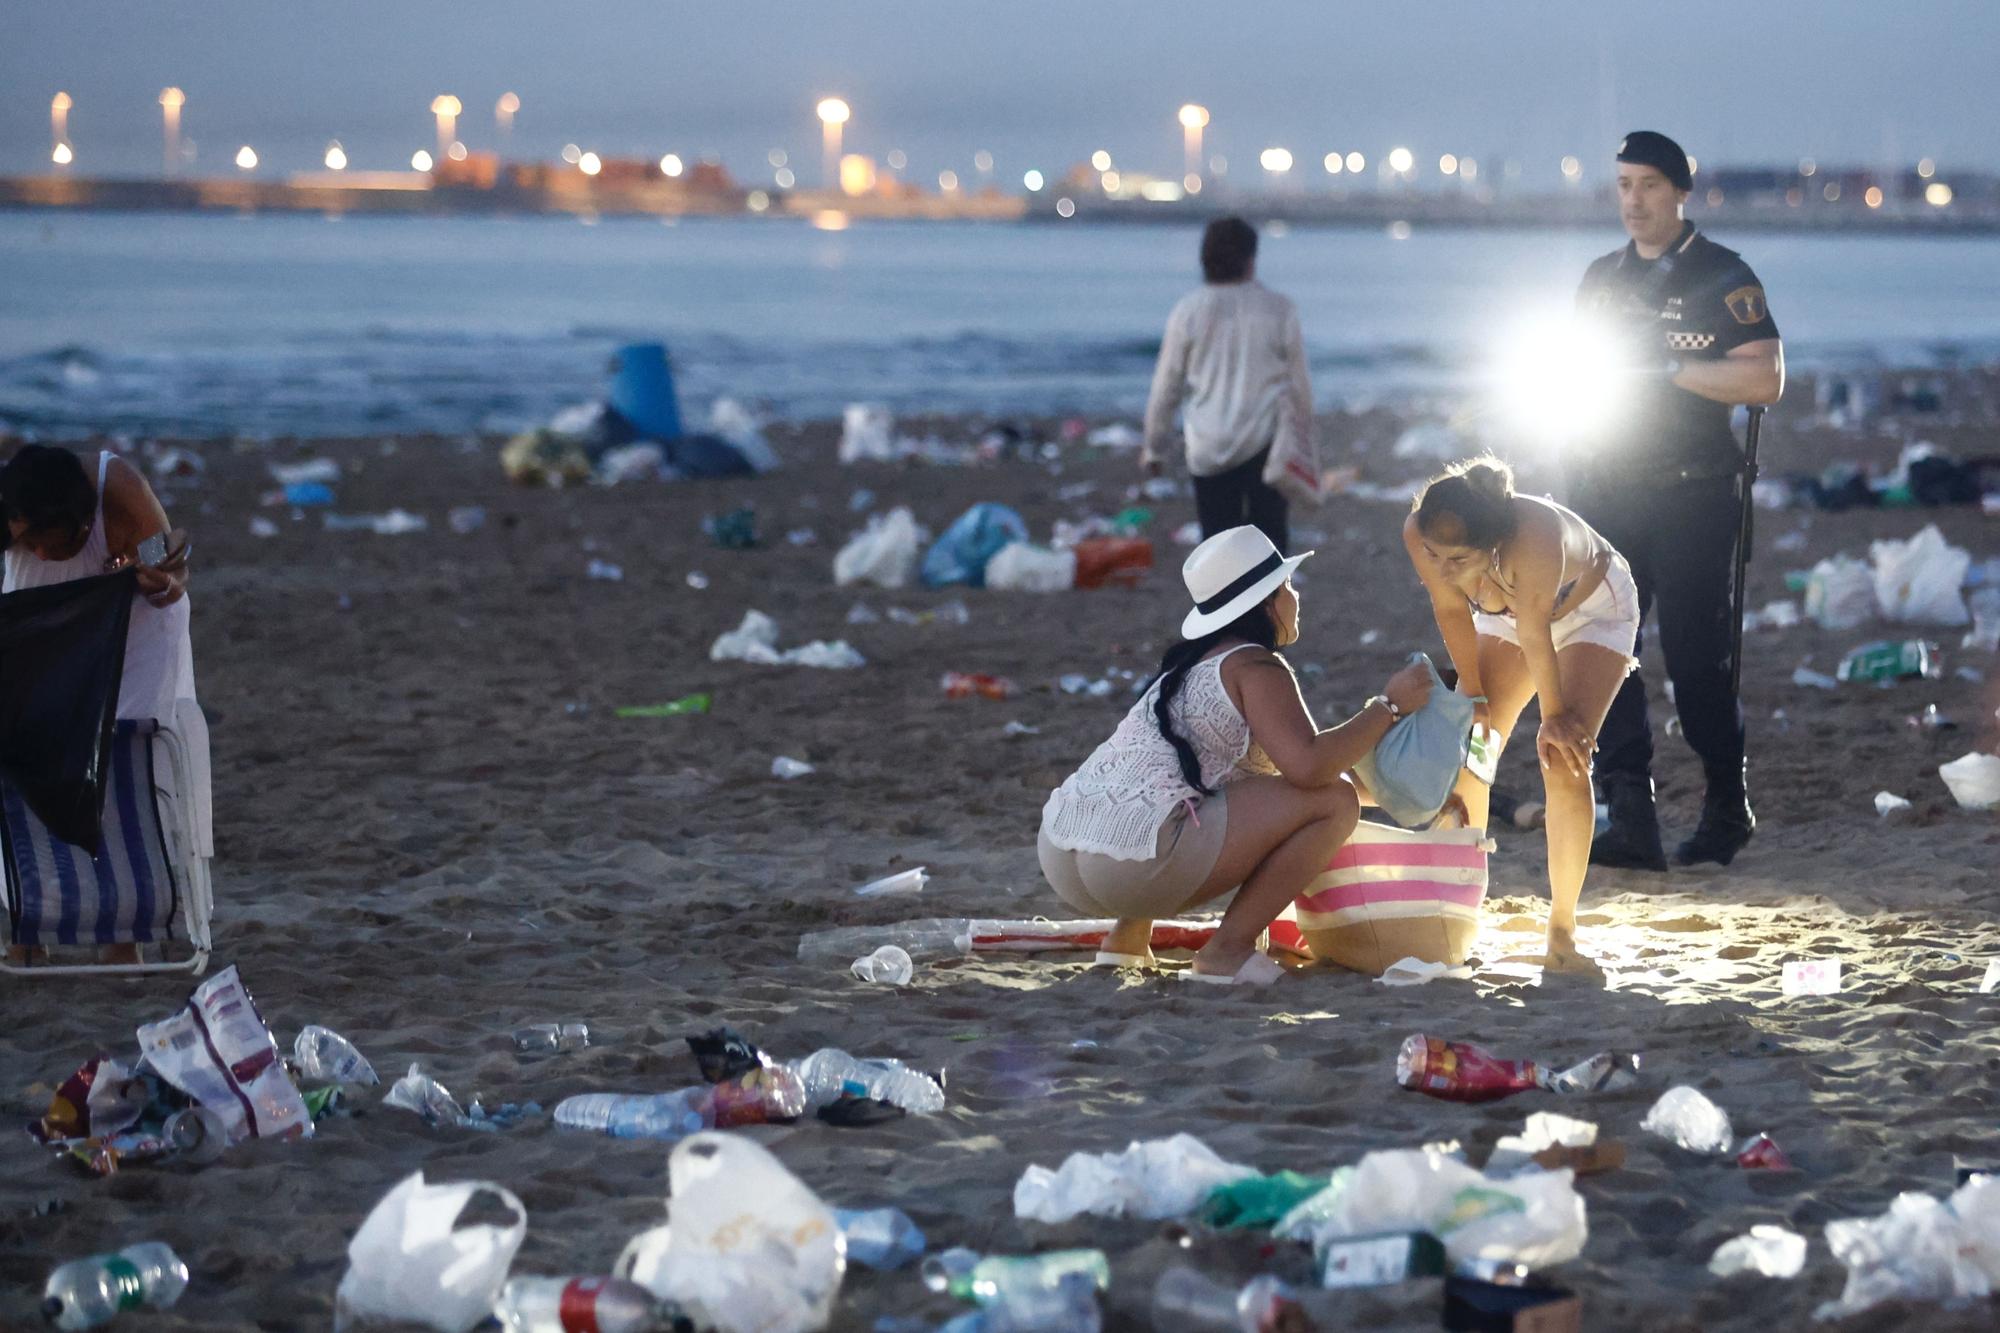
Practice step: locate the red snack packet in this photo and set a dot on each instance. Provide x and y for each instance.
(1459, 1072)
(1759, 1153)
(1105, 560)
(960, 685)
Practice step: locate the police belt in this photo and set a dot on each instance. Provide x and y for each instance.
(1655, 476)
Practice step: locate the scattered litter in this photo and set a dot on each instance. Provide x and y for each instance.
(1932, 720)
(887, 964)
(684, 706)
(861, 501)
(1690, 1120)
(862, 614)
(85, 1293)
(1116, 435)
(606, 572)
(961, 685)
(697, 580)
(1760, 1152)
(802, 537)
(1078, 683)
(1460, 1072)
(1154, 1179)
(1258, 1201)
(218, 1051)
(262, 527)
(1985, 631)
(419, 1092)
(1766, 1250)
(756, 641)
(880, 1238)
(1185, 1299)
(1020, 729)
(322, 1055)
(395, 523)
(1920, 1249)
(733, 531)
(1817, 680)
(466, 519)
(551, 1038)
(1974, 780)
(1415, 972)
(1888, 803)
(1544, 1130)
(786, 767)
(1812, 976)
(411, 1261)
(962, 554)
(308, 495)
(924, 940)
(600, 1304)
(1917, 581)
(312, 470)
(1990, 983)
(1187, 534)
(1840, 593)
(1023, 567)
(1887, 659)
(867, 433)
(884, 553)
(900, 884)
(1370, 637)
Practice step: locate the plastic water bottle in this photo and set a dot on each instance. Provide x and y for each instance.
(548, 1038)
(969, 1277)
(1068, 1305)
(829, 1075)
(579, 1305)
(86, 1293)
(626, 1115)
(880, 1237)
(1183, 1298)
(324, 1056)
(925, 941)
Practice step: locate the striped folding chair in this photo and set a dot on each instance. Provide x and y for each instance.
(1395, 893)
(146, 885)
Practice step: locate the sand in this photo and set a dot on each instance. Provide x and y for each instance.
(432, 829)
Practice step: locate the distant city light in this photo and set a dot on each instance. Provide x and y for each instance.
(173, 97)
(777, 157)
(1937, 194)
(1101, 160)
(829, 219)
(1448, 164)
(1794, 197)
(898, 159)
(171, 102)
(671, 165)
(1926, 168)
(446, 108)
(833, 114)
(1572, 168)
(1218, 165)
(1194, 117)
(59, 108)
(784, 179)
(1065, 207)
(590, 164)
(1275, 160)
(1468, 168)
(1401, 160)
(1694, 164)
(246, 158)
(421, 161)
(1714, 196)
(571, 153)
(1110, 180)
(1807, 166)
(508, 105)
(1874, 197)
(1832, 191)
(336, 157)
(456, 152)
(1356, 163)
(856, 174)
(1399, 230)
(1333, 164)
(757, 201)
(1162, 192)
(982, 160)
(1032, 181)
(1191, 183)
(61, 102)
(947, 181)
(833, 111)
(62, 156)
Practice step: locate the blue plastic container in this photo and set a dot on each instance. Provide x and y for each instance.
(642, 391)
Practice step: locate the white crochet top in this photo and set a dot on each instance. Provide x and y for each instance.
(1115, 803)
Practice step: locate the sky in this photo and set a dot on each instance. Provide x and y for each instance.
(1038, 83)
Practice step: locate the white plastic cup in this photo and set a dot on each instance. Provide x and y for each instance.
(889, 964)
(909, 881)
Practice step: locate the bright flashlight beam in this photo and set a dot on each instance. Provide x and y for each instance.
(1564, 380)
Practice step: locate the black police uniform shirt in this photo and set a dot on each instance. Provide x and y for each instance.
(1696, 302)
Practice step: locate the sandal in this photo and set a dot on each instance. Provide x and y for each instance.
(1259, 969)
(1106, 958)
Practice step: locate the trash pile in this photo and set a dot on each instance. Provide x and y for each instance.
(988, 546)
(1918, 581)
(1924, 476)
(756, 641)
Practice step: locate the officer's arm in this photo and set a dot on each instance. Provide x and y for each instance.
(1753, 373)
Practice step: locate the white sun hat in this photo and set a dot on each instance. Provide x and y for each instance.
(1228, 574)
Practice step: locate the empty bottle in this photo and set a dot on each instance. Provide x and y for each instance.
(880, 1237)
(1183, 1298)
(86, 1293)
(1067, 1305)
(324, 1056)
(580, 1305)
(548, 1038)
(888, 964)
(925, 941)
(829, 1075)
(969, 1277)
(197, 1134)
(628, 1115)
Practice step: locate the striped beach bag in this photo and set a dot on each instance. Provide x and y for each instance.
(1394, 893)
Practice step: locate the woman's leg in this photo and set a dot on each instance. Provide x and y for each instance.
(1279, 838)
(1591, 676)
(1504, 674)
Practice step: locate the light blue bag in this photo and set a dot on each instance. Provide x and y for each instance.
(1414, 767)
(962, 554)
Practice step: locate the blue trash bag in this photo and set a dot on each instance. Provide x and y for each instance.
(1413, 768)
(979, 534)
(642, 391)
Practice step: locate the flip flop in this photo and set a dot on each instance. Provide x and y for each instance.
(1259, 969)
(1105, 958)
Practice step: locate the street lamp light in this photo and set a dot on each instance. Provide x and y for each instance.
(246, 158)
(336, 157)
(446, 108)
(62, 156)
(503, 115)
(1194, 119)
(833, 113)
(1401, 160)
(171, 102)
(59, 106)
(1277, 161)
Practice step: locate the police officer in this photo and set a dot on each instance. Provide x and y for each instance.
(1665, 487)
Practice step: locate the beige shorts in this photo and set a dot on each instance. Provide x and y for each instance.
(1183, 856)
(1608, 618)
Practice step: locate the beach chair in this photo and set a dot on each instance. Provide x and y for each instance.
(147, 885)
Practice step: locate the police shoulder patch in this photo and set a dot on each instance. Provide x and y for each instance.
(1746, 304)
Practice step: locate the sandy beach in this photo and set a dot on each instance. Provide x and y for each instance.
(432, 829)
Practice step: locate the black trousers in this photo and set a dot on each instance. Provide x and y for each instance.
(1680, 539)
(1231, 499)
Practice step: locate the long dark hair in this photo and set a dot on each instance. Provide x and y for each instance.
(46, 490)
(1469, 504)
(1257, 625)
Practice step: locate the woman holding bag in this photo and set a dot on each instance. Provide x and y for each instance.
(1531, 601)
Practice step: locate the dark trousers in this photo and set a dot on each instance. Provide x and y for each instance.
(1680, 539)
(1231, 499)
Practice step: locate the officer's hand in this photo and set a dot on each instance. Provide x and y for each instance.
(1565, 742)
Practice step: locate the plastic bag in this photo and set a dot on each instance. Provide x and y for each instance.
(1974, 780)
(1292, 468)
(218, 1051)
(409, 1263)
(1413, 768)
(62, 655)
(1026, 568)
(884, 554)
(1154, 1179)
(962, 554)
(749, 1249)
(1920, 1249)
(867, 432)
(1917, 581)
(1766, 1250)
(1840, 593)
(1259, 1201)
(1690, 1120)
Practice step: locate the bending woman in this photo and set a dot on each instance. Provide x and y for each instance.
(1531, 602)
(1217, 777)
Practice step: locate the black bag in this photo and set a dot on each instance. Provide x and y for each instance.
(62, 656)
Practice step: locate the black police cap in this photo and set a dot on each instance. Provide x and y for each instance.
(1648, 148)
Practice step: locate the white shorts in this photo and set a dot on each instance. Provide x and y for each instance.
(1608, 618)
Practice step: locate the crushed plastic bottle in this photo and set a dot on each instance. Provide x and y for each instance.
(605, 572)
(902, 883)
(770, 1093)
(1890, 660)
(925, 941)
(1768, 1250)
(419, 1092)
(581, 1305)
(1689, 1120)
(1069, 1306)
(829, 1075)
(196, 1134)
(549, 1038)
(88, 1293)
(880, 1237)
(888, 964)
(1460, 1072)
(968, 1276)
(322, 1055)
(1185, 1299)
(786, 768)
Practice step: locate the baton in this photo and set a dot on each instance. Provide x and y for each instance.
(1743, 551)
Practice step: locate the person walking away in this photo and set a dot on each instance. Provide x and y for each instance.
(1665, 486)
(1233, 364)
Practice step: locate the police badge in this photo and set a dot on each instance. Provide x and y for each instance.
(1746, 304)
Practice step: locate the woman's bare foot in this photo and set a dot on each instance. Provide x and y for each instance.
(1562, 955)
(1131, 936)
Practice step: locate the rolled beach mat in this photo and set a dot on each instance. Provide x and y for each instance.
(1393, 893)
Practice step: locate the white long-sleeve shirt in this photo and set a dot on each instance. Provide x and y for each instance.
(1233, 362)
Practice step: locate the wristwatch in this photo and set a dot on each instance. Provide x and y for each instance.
(1395, 713)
